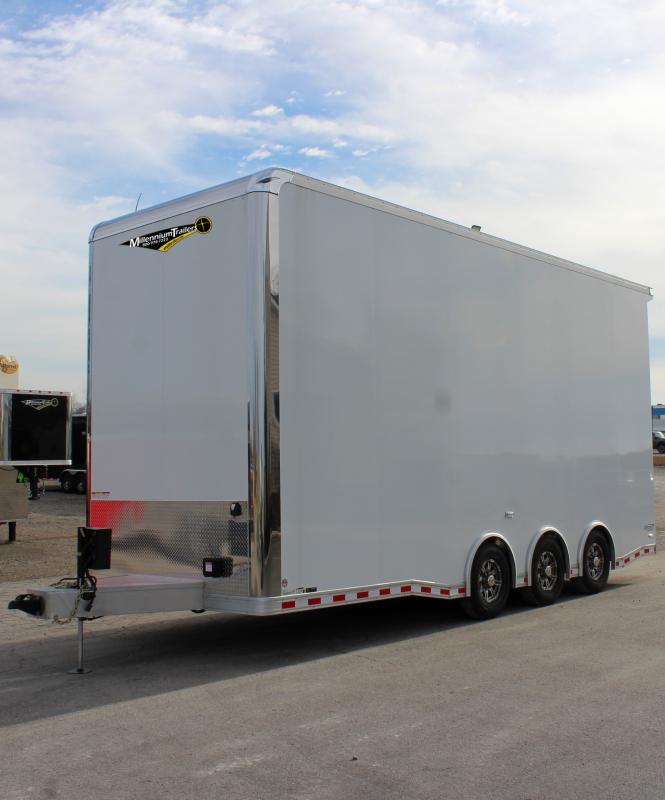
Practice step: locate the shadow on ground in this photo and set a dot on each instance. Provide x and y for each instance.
(140, 659)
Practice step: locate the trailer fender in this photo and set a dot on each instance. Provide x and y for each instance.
(545, 531)
(500, 539)
(592, 526)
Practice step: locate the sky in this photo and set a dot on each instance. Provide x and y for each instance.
(542, 122)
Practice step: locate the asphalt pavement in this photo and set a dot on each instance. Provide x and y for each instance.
(403, 698)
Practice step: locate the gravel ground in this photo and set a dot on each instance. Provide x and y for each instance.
(46, 542)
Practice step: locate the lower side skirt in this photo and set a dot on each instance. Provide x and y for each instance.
(144, 594)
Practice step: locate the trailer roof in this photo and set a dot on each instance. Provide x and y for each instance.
(271, 180)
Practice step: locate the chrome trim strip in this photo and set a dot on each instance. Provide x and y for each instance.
(263, 422)
(88, 403)
(36, 391)
(273, 555)
(39, 463)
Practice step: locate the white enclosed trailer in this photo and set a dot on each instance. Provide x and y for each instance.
(326, 399)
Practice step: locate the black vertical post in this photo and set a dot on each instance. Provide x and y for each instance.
(11, 528)
(80, 557)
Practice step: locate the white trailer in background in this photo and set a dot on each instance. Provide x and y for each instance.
(301, 396)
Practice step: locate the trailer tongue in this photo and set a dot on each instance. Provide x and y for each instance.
(119, 594)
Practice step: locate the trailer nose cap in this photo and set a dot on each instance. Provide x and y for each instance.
(30, 603)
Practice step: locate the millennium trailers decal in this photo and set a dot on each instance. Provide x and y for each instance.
(167, 238)
(41, 403)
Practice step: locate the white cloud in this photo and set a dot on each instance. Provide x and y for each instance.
(268, 111)
(494, 10)
(314, 152)
(540, 121)
(259, 154)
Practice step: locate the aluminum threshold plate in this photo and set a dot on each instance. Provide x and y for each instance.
(127, 594)
(42, 462)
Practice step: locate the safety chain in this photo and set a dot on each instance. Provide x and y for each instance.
(86, 591)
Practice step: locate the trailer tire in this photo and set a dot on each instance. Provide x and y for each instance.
(489, 586)
(596, 562)
(548, 571)
(66, 484)
(661, 448)
(80, 485)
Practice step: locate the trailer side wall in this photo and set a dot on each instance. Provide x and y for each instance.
(435, 387)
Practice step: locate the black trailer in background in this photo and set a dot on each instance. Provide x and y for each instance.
(35, 434)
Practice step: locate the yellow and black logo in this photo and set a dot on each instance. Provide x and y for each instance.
(166, 238)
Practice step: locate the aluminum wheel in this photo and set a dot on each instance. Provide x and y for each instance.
(547, 570)
(490, 581)
(595, 562)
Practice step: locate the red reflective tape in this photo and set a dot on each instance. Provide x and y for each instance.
(361, 595)
(426, 589)
(461, 590)
(405, 588)
(289, 604)
(526, 579)
(618, 564)
(626, 560)
(338, 598)
(314, 601)
(384, 591)
(646, 550)
(637, 554)
(445, 591)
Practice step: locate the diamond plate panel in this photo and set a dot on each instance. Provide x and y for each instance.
(175, 537)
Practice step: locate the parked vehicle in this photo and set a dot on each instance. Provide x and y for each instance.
(658, 441)
(285, 416)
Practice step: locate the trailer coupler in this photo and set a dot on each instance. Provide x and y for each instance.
(30, 603)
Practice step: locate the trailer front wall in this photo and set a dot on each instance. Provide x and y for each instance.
(435, 387)
(168, 389)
